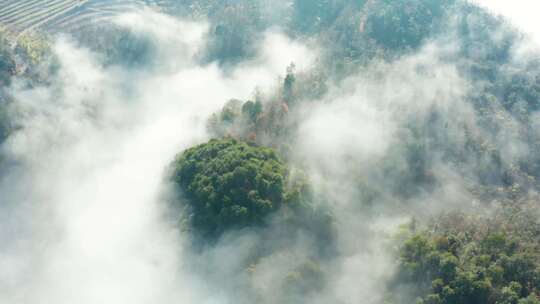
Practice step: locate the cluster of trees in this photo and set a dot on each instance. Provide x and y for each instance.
(232, 184)
(227, 185)
(118, 45)
(30, 58)
(264, 119)
(7, 70)
(463, 258)
(358, 29)
(7, 62)
(399, 25)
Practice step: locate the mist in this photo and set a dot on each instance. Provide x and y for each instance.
(392, 129)
(519, 13)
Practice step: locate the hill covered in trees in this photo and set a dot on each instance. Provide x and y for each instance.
(464, 258)
(325, 151)
(233, 184)
(477, 258)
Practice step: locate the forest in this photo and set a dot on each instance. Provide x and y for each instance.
(257, 151)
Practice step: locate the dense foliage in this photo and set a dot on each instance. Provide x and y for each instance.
(232, 184)
(7, 70)
(7, 63)
(28, 57)
(118, 45)
(472, 259)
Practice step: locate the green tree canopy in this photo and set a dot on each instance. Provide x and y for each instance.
(7, 63)
(474, 259)
(231, 184)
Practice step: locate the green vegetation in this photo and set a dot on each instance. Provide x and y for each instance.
(7, 62)
(33, 48)
(7, 70)
(476, 259)
(30, 58)
(38, 62)
(232, 184)
(405, 24)
(119, 46)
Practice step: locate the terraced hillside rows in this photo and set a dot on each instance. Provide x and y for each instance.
(21, 16)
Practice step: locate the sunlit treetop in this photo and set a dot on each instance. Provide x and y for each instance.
(231, 184)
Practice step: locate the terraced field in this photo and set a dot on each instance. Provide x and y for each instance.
(21, 16)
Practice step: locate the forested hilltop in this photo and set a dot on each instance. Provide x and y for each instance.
(393, 158)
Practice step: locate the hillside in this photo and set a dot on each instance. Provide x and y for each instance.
(22, 16)
(257, 151)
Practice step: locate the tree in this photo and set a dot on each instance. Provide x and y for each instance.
(475, 260)
(7, 63)
(288, 84)
(231, 184)
(531, 299)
